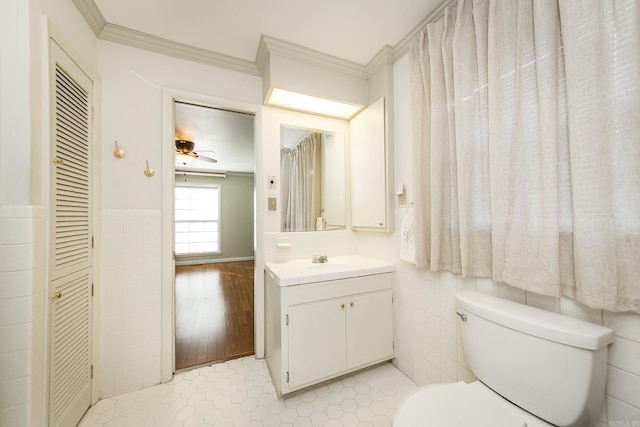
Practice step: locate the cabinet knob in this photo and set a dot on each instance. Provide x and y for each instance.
(342, 305)
(57, 295)
(58, 161)
(351, 303)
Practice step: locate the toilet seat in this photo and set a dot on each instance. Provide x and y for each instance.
(460, 404)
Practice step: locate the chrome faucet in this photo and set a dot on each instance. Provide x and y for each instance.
(320, 259)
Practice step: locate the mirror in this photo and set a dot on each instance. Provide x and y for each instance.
(312, 179)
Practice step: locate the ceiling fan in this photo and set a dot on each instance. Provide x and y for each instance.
(185, 153)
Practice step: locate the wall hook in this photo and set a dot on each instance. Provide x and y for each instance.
(118, 153)
(148, 171)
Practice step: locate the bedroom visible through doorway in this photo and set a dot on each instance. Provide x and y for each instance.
(214, 193)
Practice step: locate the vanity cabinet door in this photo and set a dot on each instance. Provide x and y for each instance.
(317, 341)
(369, 328)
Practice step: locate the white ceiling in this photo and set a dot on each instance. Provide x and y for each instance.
(354, 30)
(223, 135)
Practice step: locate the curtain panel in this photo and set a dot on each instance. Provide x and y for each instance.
(526, 120)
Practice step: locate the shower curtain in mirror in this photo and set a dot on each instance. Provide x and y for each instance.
(527, 143)
(300, 168)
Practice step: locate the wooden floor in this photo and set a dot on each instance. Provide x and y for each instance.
(214, 312)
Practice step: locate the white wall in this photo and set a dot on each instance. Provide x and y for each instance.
(131, 288)
(15, 105)
(427, 336)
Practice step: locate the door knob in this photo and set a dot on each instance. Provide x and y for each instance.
(57, 295)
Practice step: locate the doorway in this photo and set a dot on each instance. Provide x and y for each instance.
(213, 234)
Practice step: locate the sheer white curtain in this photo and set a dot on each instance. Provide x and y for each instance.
(301, 170)
(527, 143)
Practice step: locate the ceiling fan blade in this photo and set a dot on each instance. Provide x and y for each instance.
(206, 159)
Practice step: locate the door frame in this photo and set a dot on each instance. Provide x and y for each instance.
(169, 96)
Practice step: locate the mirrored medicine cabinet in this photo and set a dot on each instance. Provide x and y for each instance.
(314, 172)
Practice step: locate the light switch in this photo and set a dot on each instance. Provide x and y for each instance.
(271, 203)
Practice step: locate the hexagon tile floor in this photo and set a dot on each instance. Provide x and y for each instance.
(240, 393)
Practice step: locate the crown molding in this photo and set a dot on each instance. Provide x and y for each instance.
(140, 40)
(268, 45)
(384, 56)
(91, 15)
(271, 45)
(262, 56)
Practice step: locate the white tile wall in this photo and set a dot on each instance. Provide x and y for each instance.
(22, 314)
(129, 300)
(428, 345)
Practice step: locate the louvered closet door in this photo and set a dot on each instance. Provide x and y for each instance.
(70, 262)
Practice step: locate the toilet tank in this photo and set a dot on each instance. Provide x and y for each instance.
(551, 365)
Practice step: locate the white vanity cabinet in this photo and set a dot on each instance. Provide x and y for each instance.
(320, 330)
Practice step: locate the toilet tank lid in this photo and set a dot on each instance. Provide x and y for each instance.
(534, 321)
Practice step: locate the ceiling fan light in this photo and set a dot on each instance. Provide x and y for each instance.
(184, 159)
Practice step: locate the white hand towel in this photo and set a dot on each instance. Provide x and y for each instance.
(407, 243)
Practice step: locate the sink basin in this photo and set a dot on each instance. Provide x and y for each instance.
(330, 266)
(300, 271)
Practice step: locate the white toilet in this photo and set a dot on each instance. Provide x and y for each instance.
(535, 368)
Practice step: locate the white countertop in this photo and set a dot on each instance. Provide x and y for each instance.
(300, 271)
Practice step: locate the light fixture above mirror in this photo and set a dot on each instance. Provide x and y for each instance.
(312, 104)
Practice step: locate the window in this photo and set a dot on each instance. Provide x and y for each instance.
(197, 217)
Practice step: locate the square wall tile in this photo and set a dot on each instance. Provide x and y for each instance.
(543, 302)
(569, 307)
(621, 414)
(625, 354)
(623, 386)
(626, 325)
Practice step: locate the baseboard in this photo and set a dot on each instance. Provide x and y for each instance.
(211, 261)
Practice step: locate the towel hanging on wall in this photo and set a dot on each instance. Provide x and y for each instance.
(407, 245)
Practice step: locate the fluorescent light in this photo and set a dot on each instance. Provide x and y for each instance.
(312, 104)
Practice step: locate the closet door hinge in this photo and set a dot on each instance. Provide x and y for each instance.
(91, 371)
(91, 242)
(287, 320)
(93, 112)
(287, 376)
(92, 289)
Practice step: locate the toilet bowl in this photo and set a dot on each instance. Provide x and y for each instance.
(535, 368)
(460, 404)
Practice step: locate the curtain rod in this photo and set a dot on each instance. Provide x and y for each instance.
(402, 47)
